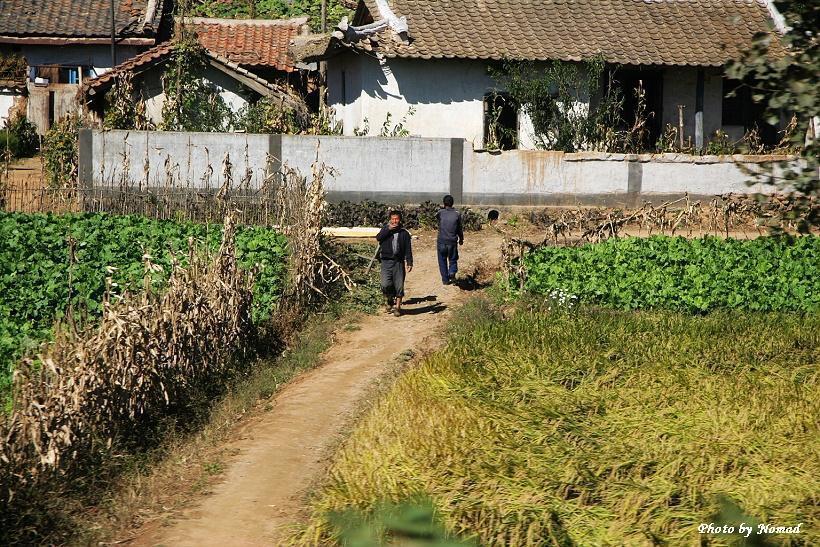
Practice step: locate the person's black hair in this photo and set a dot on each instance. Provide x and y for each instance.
(398, 214)
(448, 201)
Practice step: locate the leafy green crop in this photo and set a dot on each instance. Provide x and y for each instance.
(38, 281)
(693, 275)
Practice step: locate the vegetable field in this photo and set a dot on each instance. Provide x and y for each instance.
(50, 264)
(692, 275)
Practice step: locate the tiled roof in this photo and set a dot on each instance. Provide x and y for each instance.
(162, 53)
(78, 18)
(647, 32)
(251, 42)
(137, 64)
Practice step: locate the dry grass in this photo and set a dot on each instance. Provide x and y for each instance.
(156, 485)
(596, 428)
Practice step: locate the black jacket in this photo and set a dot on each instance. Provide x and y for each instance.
(449, 226)
(405, 246)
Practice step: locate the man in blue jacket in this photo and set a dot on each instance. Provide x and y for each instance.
(395, 250)
(450, 236)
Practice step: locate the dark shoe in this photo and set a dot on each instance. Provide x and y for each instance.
(445, 281)
(452, 280)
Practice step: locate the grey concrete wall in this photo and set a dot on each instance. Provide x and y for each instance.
(384, 169)
(186, 160)
(410, 169)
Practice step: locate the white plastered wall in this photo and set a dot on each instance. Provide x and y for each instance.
(232, 92)
(680, 88)
(7, 97)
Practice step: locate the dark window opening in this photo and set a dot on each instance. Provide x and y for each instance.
(57, 74)
(642, 93)
(741, 110)
(51, 109)
(344, 88)
(500, 122)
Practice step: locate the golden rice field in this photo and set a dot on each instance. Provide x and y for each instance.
(596, 427)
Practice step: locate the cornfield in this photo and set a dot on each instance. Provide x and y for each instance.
(95, 390)
(89, 388)
(723, 215)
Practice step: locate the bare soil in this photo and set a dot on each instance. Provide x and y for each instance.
(282, 454)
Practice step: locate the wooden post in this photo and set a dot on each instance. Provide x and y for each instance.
(113, 36)
(699, 109)
(680, 124)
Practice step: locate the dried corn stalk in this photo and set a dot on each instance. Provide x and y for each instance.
(300, 208)
(92, 388)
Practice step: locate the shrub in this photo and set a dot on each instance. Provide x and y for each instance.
(374, 214)
(692, 275)
(9, 145)
(20, 137)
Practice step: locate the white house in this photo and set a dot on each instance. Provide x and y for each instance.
(65, 42)
(236, 85)
(433, 58)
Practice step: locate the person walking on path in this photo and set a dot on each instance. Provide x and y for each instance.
(395, 250)
(450, 236)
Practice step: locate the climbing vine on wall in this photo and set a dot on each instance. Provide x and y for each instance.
(123, 109)
(191, 102)
(60, 151)
(553, 96)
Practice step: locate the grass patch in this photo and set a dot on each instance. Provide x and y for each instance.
(595, 427)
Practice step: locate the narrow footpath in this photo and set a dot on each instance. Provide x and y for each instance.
(285, 453)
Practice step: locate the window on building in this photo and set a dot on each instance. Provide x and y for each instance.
(500, 122)
(739, 109)
(642, 92)
(57, 74)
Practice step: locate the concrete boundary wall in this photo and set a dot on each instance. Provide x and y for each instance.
(409, 170)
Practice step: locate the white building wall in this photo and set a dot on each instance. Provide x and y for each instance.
(232, 92)
(448, 95)
(96, 56)
(7, 97)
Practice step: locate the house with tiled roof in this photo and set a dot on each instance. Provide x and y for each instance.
(225, 71)
(432, 59)
(258, 45)
(65, 42)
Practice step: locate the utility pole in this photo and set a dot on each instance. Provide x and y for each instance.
(113, 36)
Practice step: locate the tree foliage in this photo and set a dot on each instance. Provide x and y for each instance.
(191, 102)
(788, 83)
(271, 9)
(554, 94)
(18, 139)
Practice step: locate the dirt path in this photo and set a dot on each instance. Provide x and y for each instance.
(282, 454)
